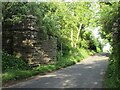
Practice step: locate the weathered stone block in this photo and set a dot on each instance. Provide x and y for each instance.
(25, 41)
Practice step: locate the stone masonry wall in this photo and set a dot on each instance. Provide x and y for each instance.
(24, 40)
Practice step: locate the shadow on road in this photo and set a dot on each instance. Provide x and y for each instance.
(89, 73)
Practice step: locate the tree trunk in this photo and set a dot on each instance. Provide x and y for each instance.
(78, 34)
(72, 37)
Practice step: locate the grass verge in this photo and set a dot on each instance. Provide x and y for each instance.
(62, 62)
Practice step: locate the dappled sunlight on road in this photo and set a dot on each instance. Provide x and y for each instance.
(88, 73)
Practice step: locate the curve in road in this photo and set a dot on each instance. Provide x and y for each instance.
(89, 73)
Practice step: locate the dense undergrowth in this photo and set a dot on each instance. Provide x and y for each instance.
(112, 34)
(70, 23)
(112, 79)
(14, 68)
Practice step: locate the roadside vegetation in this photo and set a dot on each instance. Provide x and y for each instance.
(72, 24)
(68, 22)
(15, 68)
(110, 17)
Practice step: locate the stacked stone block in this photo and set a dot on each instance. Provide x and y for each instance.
(25, 41)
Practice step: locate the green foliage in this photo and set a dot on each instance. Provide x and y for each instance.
(54, 19)
(65, 21)
(111, 78)
(90, 42)
(20, 73)
(16, 11)
(11, 62)
(109, 16)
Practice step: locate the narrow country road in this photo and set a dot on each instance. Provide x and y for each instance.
(89, 73)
